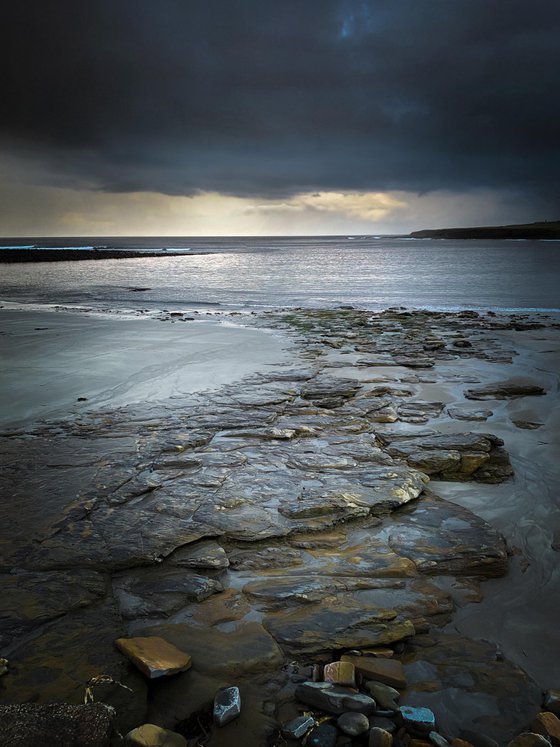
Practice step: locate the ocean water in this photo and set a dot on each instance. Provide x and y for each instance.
(257, 273)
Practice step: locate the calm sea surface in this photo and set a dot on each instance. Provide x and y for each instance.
(247, 273)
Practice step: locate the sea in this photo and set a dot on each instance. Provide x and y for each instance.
(251, 274)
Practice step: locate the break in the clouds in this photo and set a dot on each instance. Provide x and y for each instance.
(280, 101)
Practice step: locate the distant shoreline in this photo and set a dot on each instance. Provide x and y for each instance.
(72, 255)
(539, 231)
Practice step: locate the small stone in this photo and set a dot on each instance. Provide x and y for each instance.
(323, 735)
(317, 673)
(380, 738)
(419, 743)
(548, 725)
(149, 735)
(438, 740)
(552, 701)
(379, 653)
(460, 743)
(418, 719)
(529, 739)
(4, 664)
(340, 673)
(297, 727)
(384, 695)
(227, 705)
(388, 671)
(154, 656)
(353, 724)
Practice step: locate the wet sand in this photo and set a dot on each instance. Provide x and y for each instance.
(520, 613)
(50, 359)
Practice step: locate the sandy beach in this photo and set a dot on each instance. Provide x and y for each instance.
(51, 359)
(272, 492)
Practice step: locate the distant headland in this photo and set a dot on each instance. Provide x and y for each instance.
(31, 254)
(542, 230)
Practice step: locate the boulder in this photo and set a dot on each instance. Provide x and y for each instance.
(506, 390)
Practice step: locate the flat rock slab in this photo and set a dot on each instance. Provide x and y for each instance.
(155, 657)
(466, 686)
(459, 456)
(506, 390)
(32, 599)
(336, 625)
(387, 671)
(32, 725)
(443, 538)
(158, 592)
(248, 649)
(458, 413)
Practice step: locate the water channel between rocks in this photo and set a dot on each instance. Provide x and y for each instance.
(379, 487)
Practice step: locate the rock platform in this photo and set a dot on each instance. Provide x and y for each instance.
(286, 520)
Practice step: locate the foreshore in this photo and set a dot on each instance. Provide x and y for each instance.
(275, 494)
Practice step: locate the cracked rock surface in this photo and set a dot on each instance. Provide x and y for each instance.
(288, 516)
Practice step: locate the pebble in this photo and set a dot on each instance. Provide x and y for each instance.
(227, 705)
(384, 695)
(297, 727)
(460, 743)
(418, 719)
(438, 740)
(529, 739)
(353, 724)
(340, 673)
(324, 735)
(380, 738)
(334, 699)
(548, 725)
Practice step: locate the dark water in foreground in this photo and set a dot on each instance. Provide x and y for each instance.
(311, 271)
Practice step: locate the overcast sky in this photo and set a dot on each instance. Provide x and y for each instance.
(293, 116)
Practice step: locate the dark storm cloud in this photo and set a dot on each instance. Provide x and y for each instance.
(272, 98)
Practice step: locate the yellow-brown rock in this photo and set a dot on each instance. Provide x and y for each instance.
(388, 671)
(460, 743)
(154, 656)
(340, 673)
(149, 735)
(548, 725)
(379, 653)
